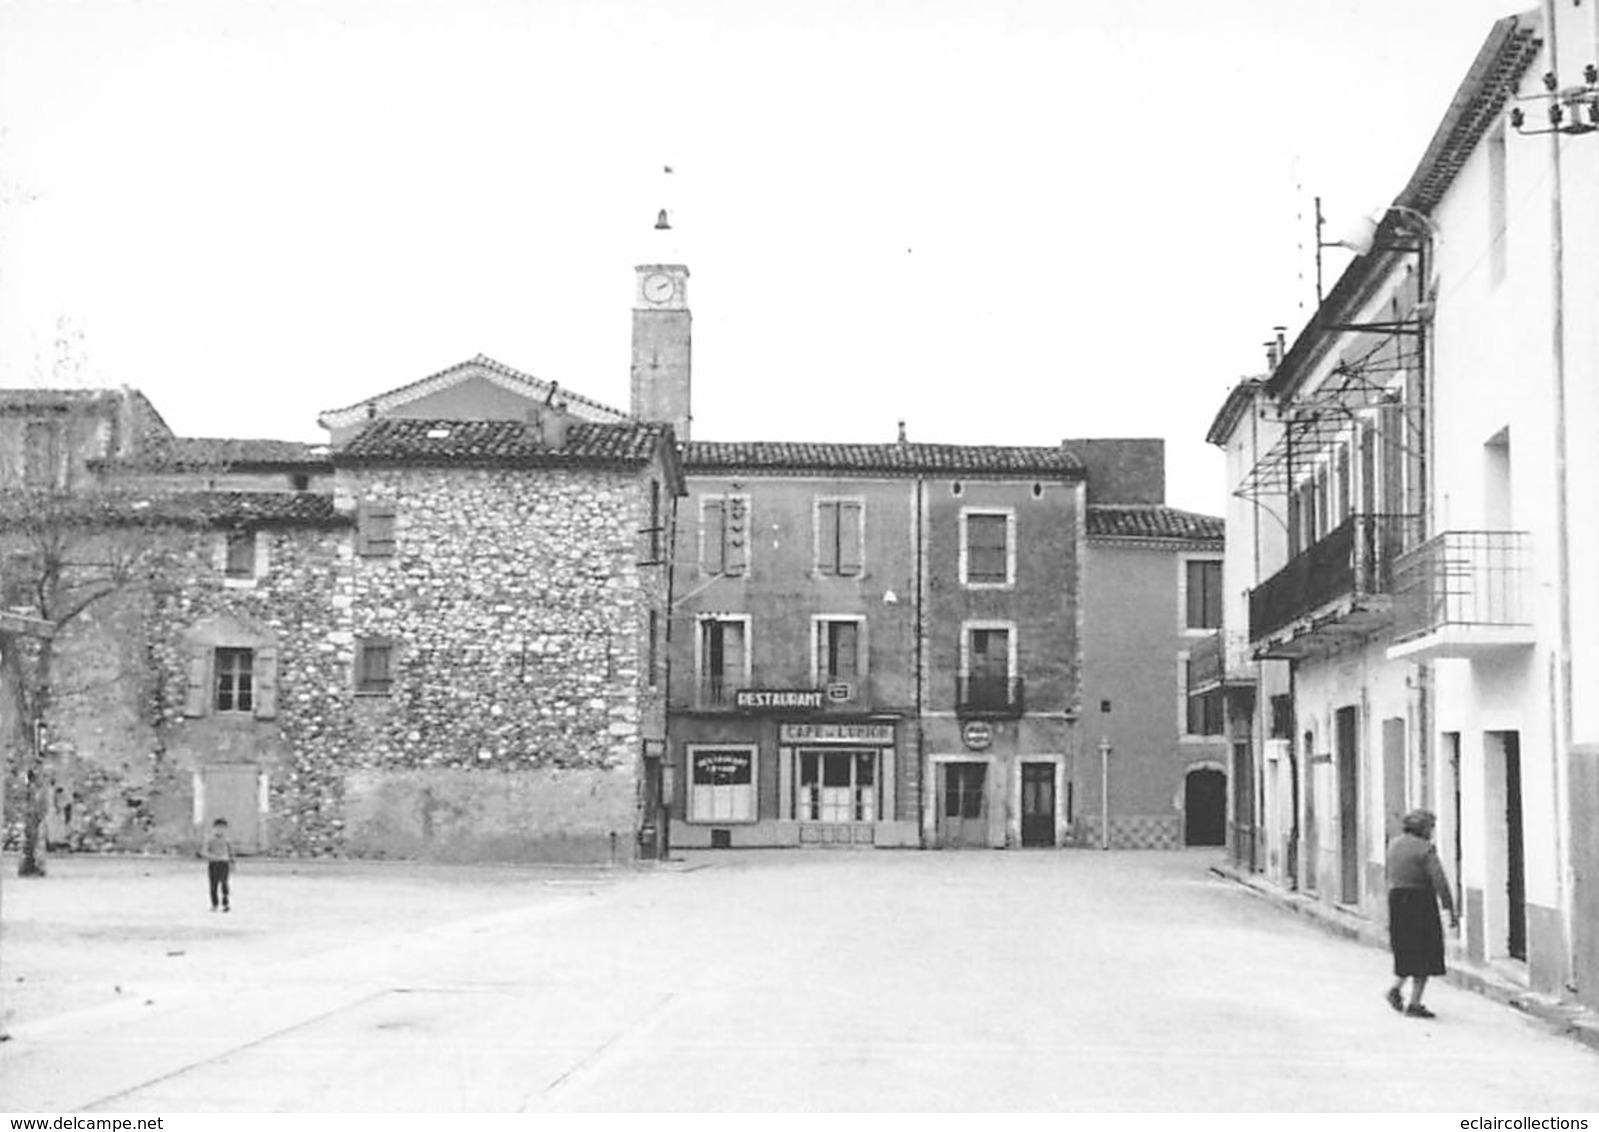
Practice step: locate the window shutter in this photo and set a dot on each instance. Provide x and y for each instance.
(713, 536)
(266, 682)
(736, 524)
(263, 551)
(827, 536)
(198, 693)
(733, 646)
(846, 655)
(850, 530)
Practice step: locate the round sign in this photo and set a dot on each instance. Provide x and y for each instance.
(978, 735)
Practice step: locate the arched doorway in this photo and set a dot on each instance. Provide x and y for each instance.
(1205, 807)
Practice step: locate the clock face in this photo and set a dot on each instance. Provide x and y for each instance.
(659, 288)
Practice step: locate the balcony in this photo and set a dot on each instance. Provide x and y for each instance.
(1462, 594)
(718, 693)
(1335, 592)
(988, 697)
(1219, 661)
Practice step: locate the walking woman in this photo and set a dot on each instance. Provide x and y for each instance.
(1416, 886)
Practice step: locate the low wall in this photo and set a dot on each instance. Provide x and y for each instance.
(460, 815)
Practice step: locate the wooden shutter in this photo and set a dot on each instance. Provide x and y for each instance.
(986, 558)
(266, 682)
(197, 695)
(263, 553)
(713, 536)
(827, 534)
(846, 646)
(850, 530)
(733, 650)
(375, 535)
(737, 527)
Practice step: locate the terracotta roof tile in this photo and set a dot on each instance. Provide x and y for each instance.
(1150, 521)
(509, 443)
(268, 508)
(881, 459)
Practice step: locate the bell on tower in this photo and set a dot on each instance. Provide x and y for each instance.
(661, 336)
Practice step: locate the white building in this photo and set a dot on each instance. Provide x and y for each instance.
(1412, 478)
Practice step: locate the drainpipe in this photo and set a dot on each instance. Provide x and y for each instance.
(1560, 748)
(923, 771)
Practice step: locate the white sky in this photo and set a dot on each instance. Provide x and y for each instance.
(1004, 221)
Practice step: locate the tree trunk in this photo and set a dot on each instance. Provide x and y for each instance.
(35, 782)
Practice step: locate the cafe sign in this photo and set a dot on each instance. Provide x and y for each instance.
(978, 735)
(780, 699)
(871, 734)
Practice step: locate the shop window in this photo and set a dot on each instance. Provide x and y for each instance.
(987, 546)
(838, 786)
(721, 784)
(724, 534)
(840, 532)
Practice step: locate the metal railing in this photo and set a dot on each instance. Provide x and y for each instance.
(993, 696)
(1462, 579)
(1356, 558)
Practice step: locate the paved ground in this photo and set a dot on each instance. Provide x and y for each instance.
(844, 981)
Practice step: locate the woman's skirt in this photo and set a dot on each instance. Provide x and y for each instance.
(1415, 933)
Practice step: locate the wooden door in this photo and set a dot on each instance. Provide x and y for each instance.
(962, 805)
(232, 791)
(1038, 804)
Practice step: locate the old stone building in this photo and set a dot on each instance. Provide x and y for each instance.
(440, 639)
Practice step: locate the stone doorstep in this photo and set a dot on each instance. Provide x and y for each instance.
(1566, 1018)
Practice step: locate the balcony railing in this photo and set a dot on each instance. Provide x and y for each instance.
(996, 697)
(1219, 660)
(717, 693)
(1462, 581)
(1355, 560)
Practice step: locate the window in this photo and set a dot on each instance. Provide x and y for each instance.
(300, 481)
(986, 548)
(652, 532)
(840, 527)
(837, 786)
(653, 649)
(1203, 594)
(722, 659)
(721, 784)
(724, 534)
(1282, 717)
(987, 662)
(375, 530)
(838, 650)
(235, 680)
(239, 555)
(1204, 709)
(374, 666)
(41, 465)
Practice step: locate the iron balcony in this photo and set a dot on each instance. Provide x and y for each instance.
(1336, 590)
(1462, 594)
(989, 697)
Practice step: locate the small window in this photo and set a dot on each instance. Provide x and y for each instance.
(1204, 594)
(300, 481)
(839, 534)
(376, 530)
(42, 456)
(987, 548)
(838, 651)
(235, 686)
(653, 660)
(240, 559)
(374, 667)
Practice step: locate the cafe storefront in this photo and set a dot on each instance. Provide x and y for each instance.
(783, 770)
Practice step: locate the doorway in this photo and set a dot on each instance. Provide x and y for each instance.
(1038, 805)
(1348, 805)
(1507, 876)
(232, 791)
(1205, 807)
(962, 805)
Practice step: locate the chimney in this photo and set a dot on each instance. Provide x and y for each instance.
(547, 426)
(902, 438)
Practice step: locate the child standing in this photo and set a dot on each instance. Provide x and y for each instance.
(218, 853)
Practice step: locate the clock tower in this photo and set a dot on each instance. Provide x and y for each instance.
(661, 339)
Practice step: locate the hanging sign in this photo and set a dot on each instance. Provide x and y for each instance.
(977, 735)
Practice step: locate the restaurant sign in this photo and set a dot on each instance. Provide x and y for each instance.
(874, 734)
(779, 699)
